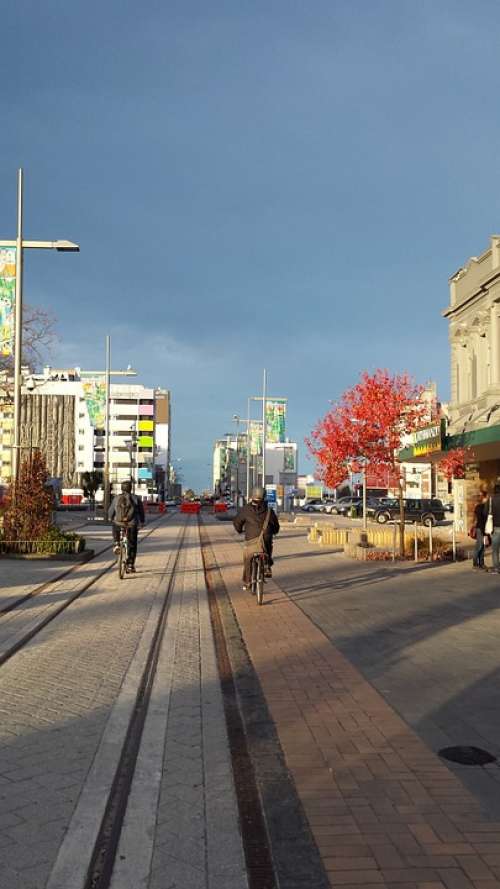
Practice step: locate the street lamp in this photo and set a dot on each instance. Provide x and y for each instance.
(20, 244)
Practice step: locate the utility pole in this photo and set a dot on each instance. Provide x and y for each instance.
(18, 340)
(106, 428)
(264, 385)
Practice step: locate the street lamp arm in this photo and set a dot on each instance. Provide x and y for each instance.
(61, 246)
(112, 373)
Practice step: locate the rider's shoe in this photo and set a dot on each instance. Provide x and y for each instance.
(131, 569)
(268, 572)
(244, 587)
(116, 549)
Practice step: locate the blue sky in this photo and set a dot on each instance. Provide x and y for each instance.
(279, 184)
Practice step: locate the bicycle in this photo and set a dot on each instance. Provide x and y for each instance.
(258, 567)
(123, 553)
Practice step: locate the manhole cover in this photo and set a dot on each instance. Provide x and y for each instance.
(467, 756)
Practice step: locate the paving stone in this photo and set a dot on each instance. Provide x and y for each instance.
(405, 795)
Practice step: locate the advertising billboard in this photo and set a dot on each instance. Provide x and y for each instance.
(275, 419)
(7, 299)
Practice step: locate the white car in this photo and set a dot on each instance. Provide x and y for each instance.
(317, 506)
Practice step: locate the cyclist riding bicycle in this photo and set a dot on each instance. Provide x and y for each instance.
(252, 519)
(127, 510)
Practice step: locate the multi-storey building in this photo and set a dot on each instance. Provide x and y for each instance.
(474, 410)
(63, 414)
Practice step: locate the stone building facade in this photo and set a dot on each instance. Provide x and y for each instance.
(474, 409)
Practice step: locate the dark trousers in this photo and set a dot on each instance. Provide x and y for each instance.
(132, 532)
(247, 560)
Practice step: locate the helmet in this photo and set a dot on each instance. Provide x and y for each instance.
(127, 487)
(258, 493)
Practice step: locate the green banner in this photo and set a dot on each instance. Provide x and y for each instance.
(275, 420)
(7, 299)
(95, 398)
(255, 435)
(289, 459)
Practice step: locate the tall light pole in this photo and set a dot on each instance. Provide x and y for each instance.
(107, 374)
(264, 385)
(237, 498)
(20, 244)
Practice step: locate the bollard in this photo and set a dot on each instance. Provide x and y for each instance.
(416, 543)
(430, 542)
(394, 542)
(454, 541)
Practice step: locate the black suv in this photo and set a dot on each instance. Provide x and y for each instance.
(426, 512)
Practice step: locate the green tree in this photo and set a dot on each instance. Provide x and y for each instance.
(91, 482)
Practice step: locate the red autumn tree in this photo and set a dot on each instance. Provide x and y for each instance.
(452, 463)
(366, 427)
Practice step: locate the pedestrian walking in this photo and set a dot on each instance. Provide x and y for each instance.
(480, 515)
(493, 508)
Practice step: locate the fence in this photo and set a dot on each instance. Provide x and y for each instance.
(419, 540)
(40, 547)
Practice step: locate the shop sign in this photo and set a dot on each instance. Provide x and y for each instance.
(428, 440)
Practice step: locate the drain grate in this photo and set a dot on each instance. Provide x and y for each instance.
(467, 756)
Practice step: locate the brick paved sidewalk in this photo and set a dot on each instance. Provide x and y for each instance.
(383, 808)
(55, 699)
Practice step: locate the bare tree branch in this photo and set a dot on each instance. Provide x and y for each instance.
(39, 336)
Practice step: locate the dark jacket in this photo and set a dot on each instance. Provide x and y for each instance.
(251, 518)
(495, 508)
(480, 515)
(138, 510)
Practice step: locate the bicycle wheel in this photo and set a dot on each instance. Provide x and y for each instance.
(260, 580)
(122, 560)
(253, 576)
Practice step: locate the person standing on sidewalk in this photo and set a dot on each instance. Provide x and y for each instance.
(494, 507)
(480, 513)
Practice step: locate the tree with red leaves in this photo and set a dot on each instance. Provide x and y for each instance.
(366, 426)
(452, 463)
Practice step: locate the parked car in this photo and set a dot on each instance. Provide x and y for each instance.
(426, 512)
(348, 504)
(338, 504)
(315, 505)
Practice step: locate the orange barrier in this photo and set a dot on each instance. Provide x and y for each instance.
(220, 507)
(190, 507)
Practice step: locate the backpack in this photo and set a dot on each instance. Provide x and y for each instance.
(125, 509)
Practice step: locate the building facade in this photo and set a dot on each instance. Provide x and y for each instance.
(63, 415)
(474, 411)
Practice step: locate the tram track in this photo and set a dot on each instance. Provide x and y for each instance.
(100, 849)
(103, 858)
(43, 587)
(26, 636)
